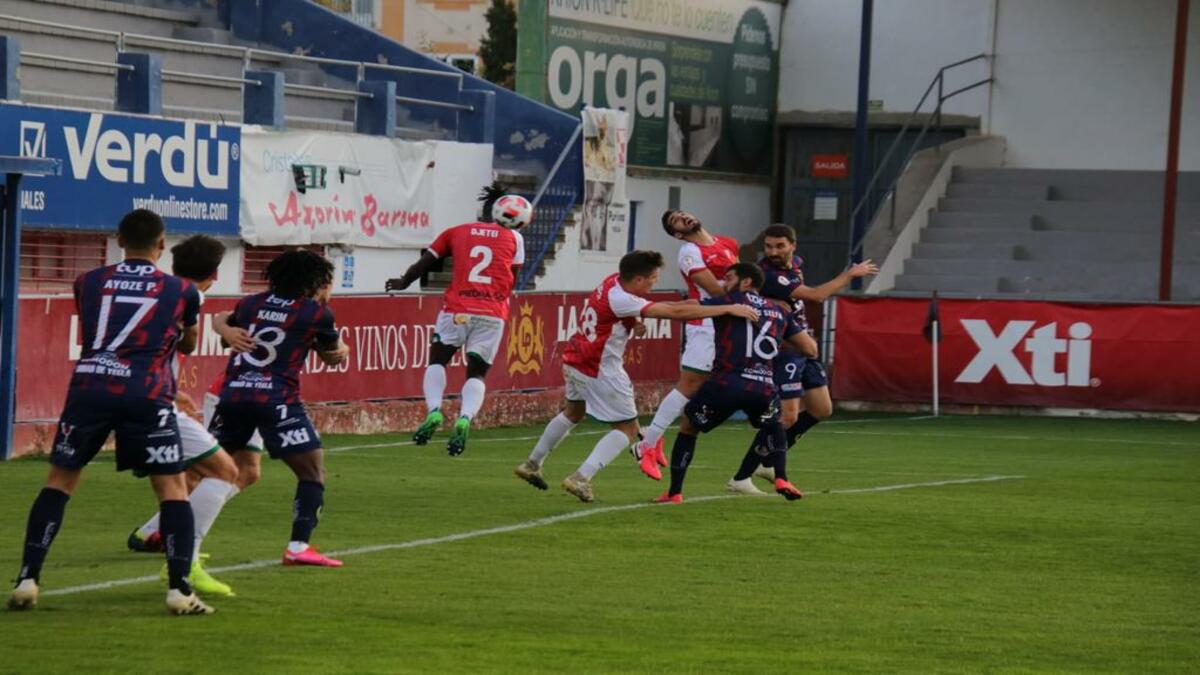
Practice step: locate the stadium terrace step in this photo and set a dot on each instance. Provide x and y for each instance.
(118, 16)
(1021, 269)
(1087, 185)
(929, 250)
(983, 285)
(998, 191)
(939, 219)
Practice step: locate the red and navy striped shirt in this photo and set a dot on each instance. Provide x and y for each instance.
(285, 329)
(131, 314)
(745, 350)
(779, 284)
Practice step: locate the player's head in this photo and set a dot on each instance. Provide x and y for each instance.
(639, 270)
(300, 273)
(743, 277)
(680, 224)
(142, 232)
(197, 259)
(779, 244)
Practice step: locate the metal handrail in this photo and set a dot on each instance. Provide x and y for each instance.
(71, 59)
(572, 197)
(348, 93)
(562, 156)
(182, 76)
(936, 115)
(436, 104)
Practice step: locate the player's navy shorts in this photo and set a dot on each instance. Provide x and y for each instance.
(796, 374)
(717, 402)
(147, 433)
(285, 428)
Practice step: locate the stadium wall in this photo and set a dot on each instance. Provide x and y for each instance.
(1080, 84)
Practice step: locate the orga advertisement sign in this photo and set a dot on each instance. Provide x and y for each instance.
(187, 172)
(698, 75)
(1046, 354)
(605, 207)
(389, 349)
(379, 192)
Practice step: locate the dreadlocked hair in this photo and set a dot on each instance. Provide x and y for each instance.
(299, 272)
(489, 195)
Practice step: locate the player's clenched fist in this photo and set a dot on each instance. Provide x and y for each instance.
(397, 284)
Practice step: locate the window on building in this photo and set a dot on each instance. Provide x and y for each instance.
(50, 260)
(255, 260)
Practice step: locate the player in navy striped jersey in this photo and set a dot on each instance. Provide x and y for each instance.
(134, 319)
(743, 377)
(262, 387)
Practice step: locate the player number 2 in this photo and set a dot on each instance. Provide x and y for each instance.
(760, 344)
(106, 303)
(269, 338)
(476, 275)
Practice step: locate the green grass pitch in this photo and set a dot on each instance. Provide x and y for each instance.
(1087, 560)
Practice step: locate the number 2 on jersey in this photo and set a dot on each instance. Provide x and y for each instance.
(484, 253)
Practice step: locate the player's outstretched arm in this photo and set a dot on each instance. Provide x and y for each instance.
(705, 279)
(335, 355)
(414, 272)
(821, 293)
(804, 344)
(686, 311)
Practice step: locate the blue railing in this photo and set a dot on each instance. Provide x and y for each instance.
(556, 197)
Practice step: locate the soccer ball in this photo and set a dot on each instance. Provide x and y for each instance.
(512, 211)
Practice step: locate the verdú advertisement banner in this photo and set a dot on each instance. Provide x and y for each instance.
(698, 76)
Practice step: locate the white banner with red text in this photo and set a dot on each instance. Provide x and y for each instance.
(356, 190)
(1020, 353)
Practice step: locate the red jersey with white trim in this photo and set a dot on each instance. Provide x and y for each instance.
(716, 257)
(484, 255)
(605, 323)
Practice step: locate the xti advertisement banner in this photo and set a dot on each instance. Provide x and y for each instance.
(605, 207)
(698, 76)
(186, 171)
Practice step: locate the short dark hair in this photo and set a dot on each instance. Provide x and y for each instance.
(299, 272)
(666, 221)
(750, 271)
(197, 257)
(639, 264)
(780, 230)
(140, 229)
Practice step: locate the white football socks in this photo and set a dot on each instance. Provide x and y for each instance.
(668, 411)
(434, 386)
(554, 433)
(207, 499)
(150, 527)
(472, 397)
(610, 445)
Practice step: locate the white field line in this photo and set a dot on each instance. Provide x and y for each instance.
(504, 529)
(1056, 439)
(399, 444)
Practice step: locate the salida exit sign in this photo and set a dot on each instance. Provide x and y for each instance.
(830, 166)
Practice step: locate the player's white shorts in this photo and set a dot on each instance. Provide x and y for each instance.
(479, 334)
(609, 398)
(210, 409)
(698, 348)
(194, 439)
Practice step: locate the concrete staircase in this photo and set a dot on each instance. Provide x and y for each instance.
(1057, 234)
(87, 30)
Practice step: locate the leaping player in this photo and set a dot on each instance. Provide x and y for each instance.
(703, 260)
(594, 367)
(487, 257)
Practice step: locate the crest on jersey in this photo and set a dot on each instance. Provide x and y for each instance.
(526, 346)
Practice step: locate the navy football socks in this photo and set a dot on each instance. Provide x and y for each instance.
(681, 457)
(45, 520)
(306, 510)
(178, 527)
(803, 423)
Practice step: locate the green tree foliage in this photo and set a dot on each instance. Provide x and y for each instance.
(498, 49)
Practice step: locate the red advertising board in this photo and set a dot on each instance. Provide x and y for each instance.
(389, 348)
(1044, 354)
(829, 166)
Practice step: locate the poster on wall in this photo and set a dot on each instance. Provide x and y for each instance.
(605, 207)
(359, 190)
(185, 171)
(697, 76)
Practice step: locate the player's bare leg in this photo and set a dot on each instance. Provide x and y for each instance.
(650, 449)
(45, 521)
(556, 430)
(606, 450)
(309, 468)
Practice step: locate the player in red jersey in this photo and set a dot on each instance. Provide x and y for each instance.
(594, 370)
(488, 256)
(703, 260)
